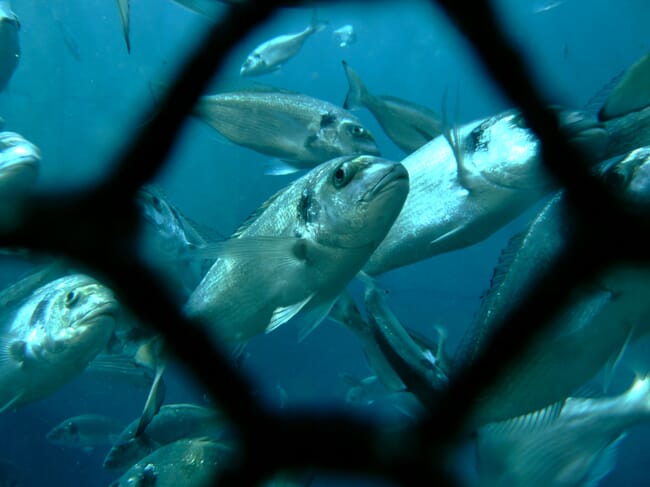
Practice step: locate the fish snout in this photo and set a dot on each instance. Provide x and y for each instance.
(584, 131)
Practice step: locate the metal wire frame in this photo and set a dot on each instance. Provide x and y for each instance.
(94, 228)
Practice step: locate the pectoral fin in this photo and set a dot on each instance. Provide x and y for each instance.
(283, 314)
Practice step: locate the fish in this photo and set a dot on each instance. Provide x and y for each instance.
(50, 337)
(626, 110)
(85, 431)
(11, 475)
(407, 124)
(572, 443)
(345, 35)
(9, 43)
(19, 166)
(274, 53)
(173, 422)
(124, 8)
(207, 8)
(187, 462)
(67, 36)
(296, 128)
(466, 186)
(164, 237)
(300, 249)
(609, 313)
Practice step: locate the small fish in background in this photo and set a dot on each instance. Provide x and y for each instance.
(9, 43)
(173, 422)
(124, 8)
(11, 475)
(299, 130)
(272, 54)
(50, 335)
(541, 6)
(67, 36)
(572, 443)
(297, 253)
(186, 462)
(407, 124)
(345, 35)
(85, 431)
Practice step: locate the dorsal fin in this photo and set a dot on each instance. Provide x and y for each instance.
(632, 92)
(256, 213)
(527, 423)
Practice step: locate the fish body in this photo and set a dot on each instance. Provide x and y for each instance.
(573, 445)
(460, 196)
(188, 462)
(345, 35)
(165, 237)
(407, 124)
(9, 43)
(52, 336)
(173, 422)
(600, 321)
(85, 431)
(272, 54)
(299, 129)
(19, 165)
(300, 249)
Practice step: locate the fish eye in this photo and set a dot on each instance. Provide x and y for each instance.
(342, 175)
(71, 298)
(616, 179)
(358, 131)
(72, 428)
(155, 201)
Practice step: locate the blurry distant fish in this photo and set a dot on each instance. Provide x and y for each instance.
(540, 6)
(272, 54)
(9, 43)
(573, 443)
(187, 463)
(19, 165)
(11, 475)
(51, 336)
(66, 35)
(602, 318)
(173, 422)
(164, 239)
(86, 431)
(300, 249)
(207, 8)
(345, 35)
(301, 130)
(409, 125)
(124, 8)
(467, 185)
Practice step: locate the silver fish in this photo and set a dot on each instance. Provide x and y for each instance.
(571, 444)
(52, 336)
(299, 129)
(124, 8)
(300, 249)
(465, 189)
(164, 239)
(409, 125)
(272, 54)
(173, 422)
(9, 43)
(19, 165)
(85, 431)
(190, 463)
(601, 320)
(345, 35)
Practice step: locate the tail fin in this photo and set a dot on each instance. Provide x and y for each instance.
(316, 24)
(357, 92)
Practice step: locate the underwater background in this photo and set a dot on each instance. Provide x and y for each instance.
(80, 97)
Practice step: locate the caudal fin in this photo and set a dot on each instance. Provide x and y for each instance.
(357, 92)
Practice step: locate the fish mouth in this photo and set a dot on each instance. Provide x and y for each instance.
(395, 176)
(107, 309)
(584, 131)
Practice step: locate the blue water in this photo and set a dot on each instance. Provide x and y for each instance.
(82, 113)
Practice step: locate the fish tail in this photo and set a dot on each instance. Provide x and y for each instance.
(317, 25)
(357, 91)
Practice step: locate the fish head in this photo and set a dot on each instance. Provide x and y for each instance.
(631, 176)
(66, 433)
(355, 200)
(507, 153)
(354, 138)
(162, 222)
(19, 164)
(67, 321)
(254, 65)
